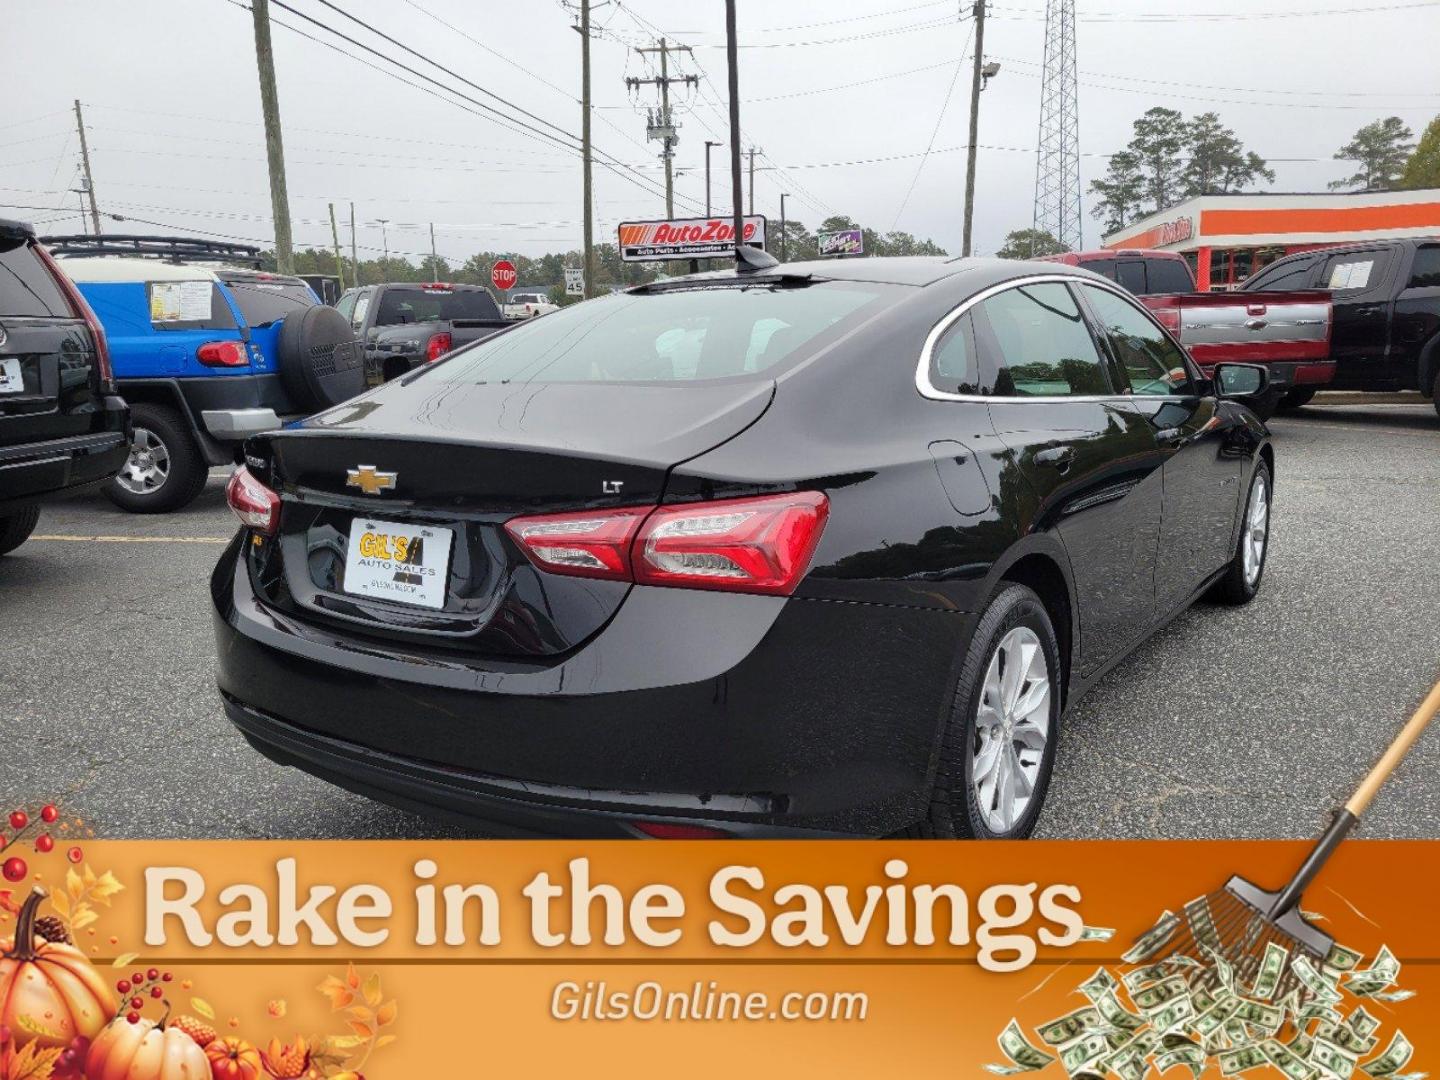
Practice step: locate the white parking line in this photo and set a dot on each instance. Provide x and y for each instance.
(64, 539)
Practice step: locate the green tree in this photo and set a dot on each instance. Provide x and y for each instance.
(1423, 168)
(1218, 161)
(1160, 137)
(1029, 244)
(1121, 192)
(1381, 150)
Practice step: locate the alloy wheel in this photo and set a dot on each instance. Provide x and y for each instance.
(1012, 729)
(1257, 530)
(148, 466)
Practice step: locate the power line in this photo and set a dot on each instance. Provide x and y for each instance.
(944, 105)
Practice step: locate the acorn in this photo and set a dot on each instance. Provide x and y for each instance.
(52, 929)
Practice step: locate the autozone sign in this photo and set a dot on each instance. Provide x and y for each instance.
(1173, 232)
(685, 238)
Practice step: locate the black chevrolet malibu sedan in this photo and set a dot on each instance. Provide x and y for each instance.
(789, 550)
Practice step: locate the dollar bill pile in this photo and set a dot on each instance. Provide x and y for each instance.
(1199, 1012)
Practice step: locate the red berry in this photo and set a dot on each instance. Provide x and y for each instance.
(166, 977)
(138, 978)
(133, 1017)
(19, 819)
(15, 869)
(123, 986)
(156, 992)
(137, 1003)
(3, 841)
(44, 844)
(75, 854)
(152, 974)
(49, 813)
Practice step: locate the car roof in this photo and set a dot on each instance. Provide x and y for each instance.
(120, 269)
(912, 270)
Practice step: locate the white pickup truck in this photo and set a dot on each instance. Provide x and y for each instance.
(527, 305)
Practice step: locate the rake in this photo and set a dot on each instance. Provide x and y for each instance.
(1238, 922)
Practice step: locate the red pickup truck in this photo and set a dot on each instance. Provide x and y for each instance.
(1287, 332)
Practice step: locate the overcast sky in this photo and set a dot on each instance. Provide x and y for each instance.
(172, 105)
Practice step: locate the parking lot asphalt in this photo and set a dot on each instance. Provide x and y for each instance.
(1249, 723)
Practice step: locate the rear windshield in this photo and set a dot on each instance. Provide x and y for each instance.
(674, 336)
(26, 287)
(264, 302)
(400, 306)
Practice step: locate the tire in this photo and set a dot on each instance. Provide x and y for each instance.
(1296, 399)
(1015, 625)
(1242, 579)
(16, 528)
(321, 361)
(165, 469)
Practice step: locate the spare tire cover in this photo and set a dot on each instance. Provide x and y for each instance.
(321, 362)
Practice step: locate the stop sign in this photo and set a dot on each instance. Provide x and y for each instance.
(503, 275)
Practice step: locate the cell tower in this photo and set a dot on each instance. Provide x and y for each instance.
(1057, 170)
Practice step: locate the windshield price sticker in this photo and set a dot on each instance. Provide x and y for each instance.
(180, 301)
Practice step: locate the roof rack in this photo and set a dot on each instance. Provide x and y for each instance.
(176, 249)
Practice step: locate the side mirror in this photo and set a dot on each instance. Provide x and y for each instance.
(1240, 380)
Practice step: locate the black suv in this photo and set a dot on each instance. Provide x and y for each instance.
(1386, 296)
(62, 423)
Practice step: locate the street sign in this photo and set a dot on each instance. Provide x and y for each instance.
(574, 281)
(843, 242)
(686, 238)
(503, 275)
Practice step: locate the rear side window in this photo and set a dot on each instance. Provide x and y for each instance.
(1152, 362)
(1282, 277)
(1044, 344)
(188, 305)
(1130, 274)
(346, 306)
(1426, 274)
(670, 336)
(26, 287)
(952, 360)
(401, 306)
(1103, 267)
(264, 302)
(1169, 276)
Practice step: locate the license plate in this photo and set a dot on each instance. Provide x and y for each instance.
(12, 378)
(389, 560)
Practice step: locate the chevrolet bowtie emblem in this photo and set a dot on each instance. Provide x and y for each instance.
(369, 481)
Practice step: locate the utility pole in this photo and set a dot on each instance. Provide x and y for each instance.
(85, 164)
(335, 240)
(751, 211)
(274, 148)
(783, 196)
(434, 258)
(384, 244)
(662, 126)
(975, 87)
(587, 184)
(708, 144)
(732, 61)
(354, 249)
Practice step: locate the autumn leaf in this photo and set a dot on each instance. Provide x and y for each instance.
(352, 977)
(124, 959)
(342, 1042)
(203, 1007)
(361, 1013)
(35, 1027)
(33, 1063)
(339, 994)
(88, 876)
(59, 901)
(83, 917)
(365, 1031)
(386, 1013)
(7, 902)
(73, 884)
(105, 887)
(384, 1040)
(372, 989)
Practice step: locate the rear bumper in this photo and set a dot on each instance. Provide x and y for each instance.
(237, 425)
(33, 470)
(755, 715)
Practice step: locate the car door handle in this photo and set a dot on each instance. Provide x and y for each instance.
(1255, 324)
(1062, 457)
(1170, 436)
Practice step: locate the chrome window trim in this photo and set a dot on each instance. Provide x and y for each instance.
(929, 390)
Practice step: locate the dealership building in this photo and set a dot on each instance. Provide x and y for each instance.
(1226, 238)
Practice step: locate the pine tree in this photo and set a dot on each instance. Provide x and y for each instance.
(1381, 149)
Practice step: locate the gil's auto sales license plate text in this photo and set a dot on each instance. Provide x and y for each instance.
(393, 561)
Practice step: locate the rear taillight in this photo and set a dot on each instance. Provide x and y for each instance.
(254, 504)
(83, 310)
(586, 545)
(223, 354)
(1169, 318)
(760, 545)
(437, 346)
(669, 830)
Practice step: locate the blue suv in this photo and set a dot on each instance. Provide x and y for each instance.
(207, 350)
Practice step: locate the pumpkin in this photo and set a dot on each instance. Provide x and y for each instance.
(233, 1059)
(145, 1050)
(49, 993)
